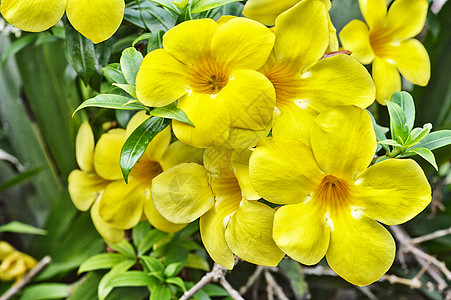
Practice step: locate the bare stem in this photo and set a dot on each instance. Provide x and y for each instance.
(229, 288)
(273, 284)
(431, 236)
(252, 279)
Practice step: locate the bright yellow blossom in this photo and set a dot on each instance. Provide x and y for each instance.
(95, 19)
(117, 206)
(305, 84)
(231, 220)
(210, 68)
(388, 43)
(14, 264)
(332, 202)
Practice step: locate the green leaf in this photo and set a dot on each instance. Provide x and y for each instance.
(102, 261)
(185, 14)
(129, 88)
(167, 4)
(114, 72)
(398, 123)
(379, 131)
(161, 292)
(293, 272)
(19, 227)
(196, 262)
(205, 5)
(18, 45)
(173, 269)
(177, 281)
(436, 139)
(156, 41)
(87, 290)
(139, 232)
(214, 290)
(124, 248)
(149, 240)
(46, 291)
(111, 101)
(417, 134)
(405, 101)
(390, 142)
(424, 153)
(104, 286)
(171, 111)
(137, 142)
(22, 177)
(131, 60)
(142, 37)
(130, 278)
(153, 264)
(81, 53)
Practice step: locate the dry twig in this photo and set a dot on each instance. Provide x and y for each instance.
(431, 236)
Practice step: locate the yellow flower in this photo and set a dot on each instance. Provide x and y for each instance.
(95, 19)
(333, 202)
(266, 12)
(14, 264)
(305, 84)
(388, 43)
(231, 220)
(211, 68)
(117, 206)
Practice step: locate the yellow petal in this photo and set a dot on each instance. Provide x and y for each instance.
(343, 141)
(393, 191)
(301, 232)
(266, 11)
(333, 39)
(355, 37)
(135, 121)
(158, 146)
(5, 249)
(242, 44)
(207, 132)
(373, 11)
(97, 20)
(110, 233)
(161, 79)
(249, 234)
(157, 220)
(85, 188)
(217, 160)
(33, 15)
(107, 154)
(283, 170)
(337, 80)
(240, 165)
(295, 121)
(386, 78)
(12, 267)
(302, 34)
(361, 250)
(191, 40)
(84, 147)
(405, 18)
(250, 99)
(182, 193)
(178, 153)
(412, 60)
(121, 204)
(245, 139)
(224, 19)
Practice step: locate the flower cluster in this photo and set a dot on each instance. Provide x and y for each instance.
(14, 264)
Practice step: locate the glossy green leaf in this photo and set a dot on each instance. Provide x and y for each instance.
(18, 45)
(390, 142)
(87, 290)
(142, 37)
(139, 232)
(124, 248)
(171, 111)
(19, 227)
(130, 278)
(161, 292)
(185, 14)
(129, 88)
(114, 72)
(44, 291)
(153, 264)
(417, 134)
(436, 139)
(102, 261)
(173, 269)
(112, 101)
(424, 153)
(196, 262)
(177, 281)
(81, 53)
(149, 240)
(156, 41)
(131, 60)
(405, 101)
(105, 286)
(22, 177)
(398, 122)
(137, 142)
(204, 5)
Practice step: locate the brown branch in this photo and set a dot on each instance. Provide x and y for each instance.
(431, 236)
(252, 279)
(42, 264)
(229, 288)
(274, 286)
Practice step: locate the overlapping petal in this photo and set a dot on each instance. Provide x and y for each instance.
(283, 170)
(355, 36)
(157, 220)
(343, 141)
(240, 165)
(373, 11)
(249, 234)
(33, 15)
(178, 152)
(84, 147)
(85, 188)
(393, 191)
(386, 78)
(245, 138)
(158, 146)
(361, 250)
(107, 154)
(161, 79)
(266, 11)
(301, 232)
(107, 231)
(405, 18)
(337, 80)
(98, 20)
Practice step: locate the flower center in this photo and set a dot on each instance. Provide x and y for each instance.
(144, 171)
(380, 38)
(207, 77)
(332, 194)
(285, 83)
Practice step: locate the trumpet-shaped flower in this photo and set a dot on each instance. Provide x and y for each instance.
(305, 84)
(210, 68)
(388, 43)
(266, 12)
(116, 205)
(95, 19)
(332, 202)
(14, 264)
(231, 220)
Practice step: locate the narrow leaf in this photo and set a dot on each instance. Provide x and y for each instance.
(156, 41)
(173, 269)
(131, 60)
(171, 111)
(111, 101)
(131, 278)
(46, 291)
(104, 285)
(18, 45)
(405, 101)
(125, 248)
(101, 261)
(149, 240)
(161, 292)
(436, 139)
(153, 264)
(129, 88)
(114, 72)
(196, 262)
(19, 227)
(177, 281)
(424, 153)
(137, 142)
(22, 178)
(398, 121)
(141, 38)
(417, 134)
(389, 142)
